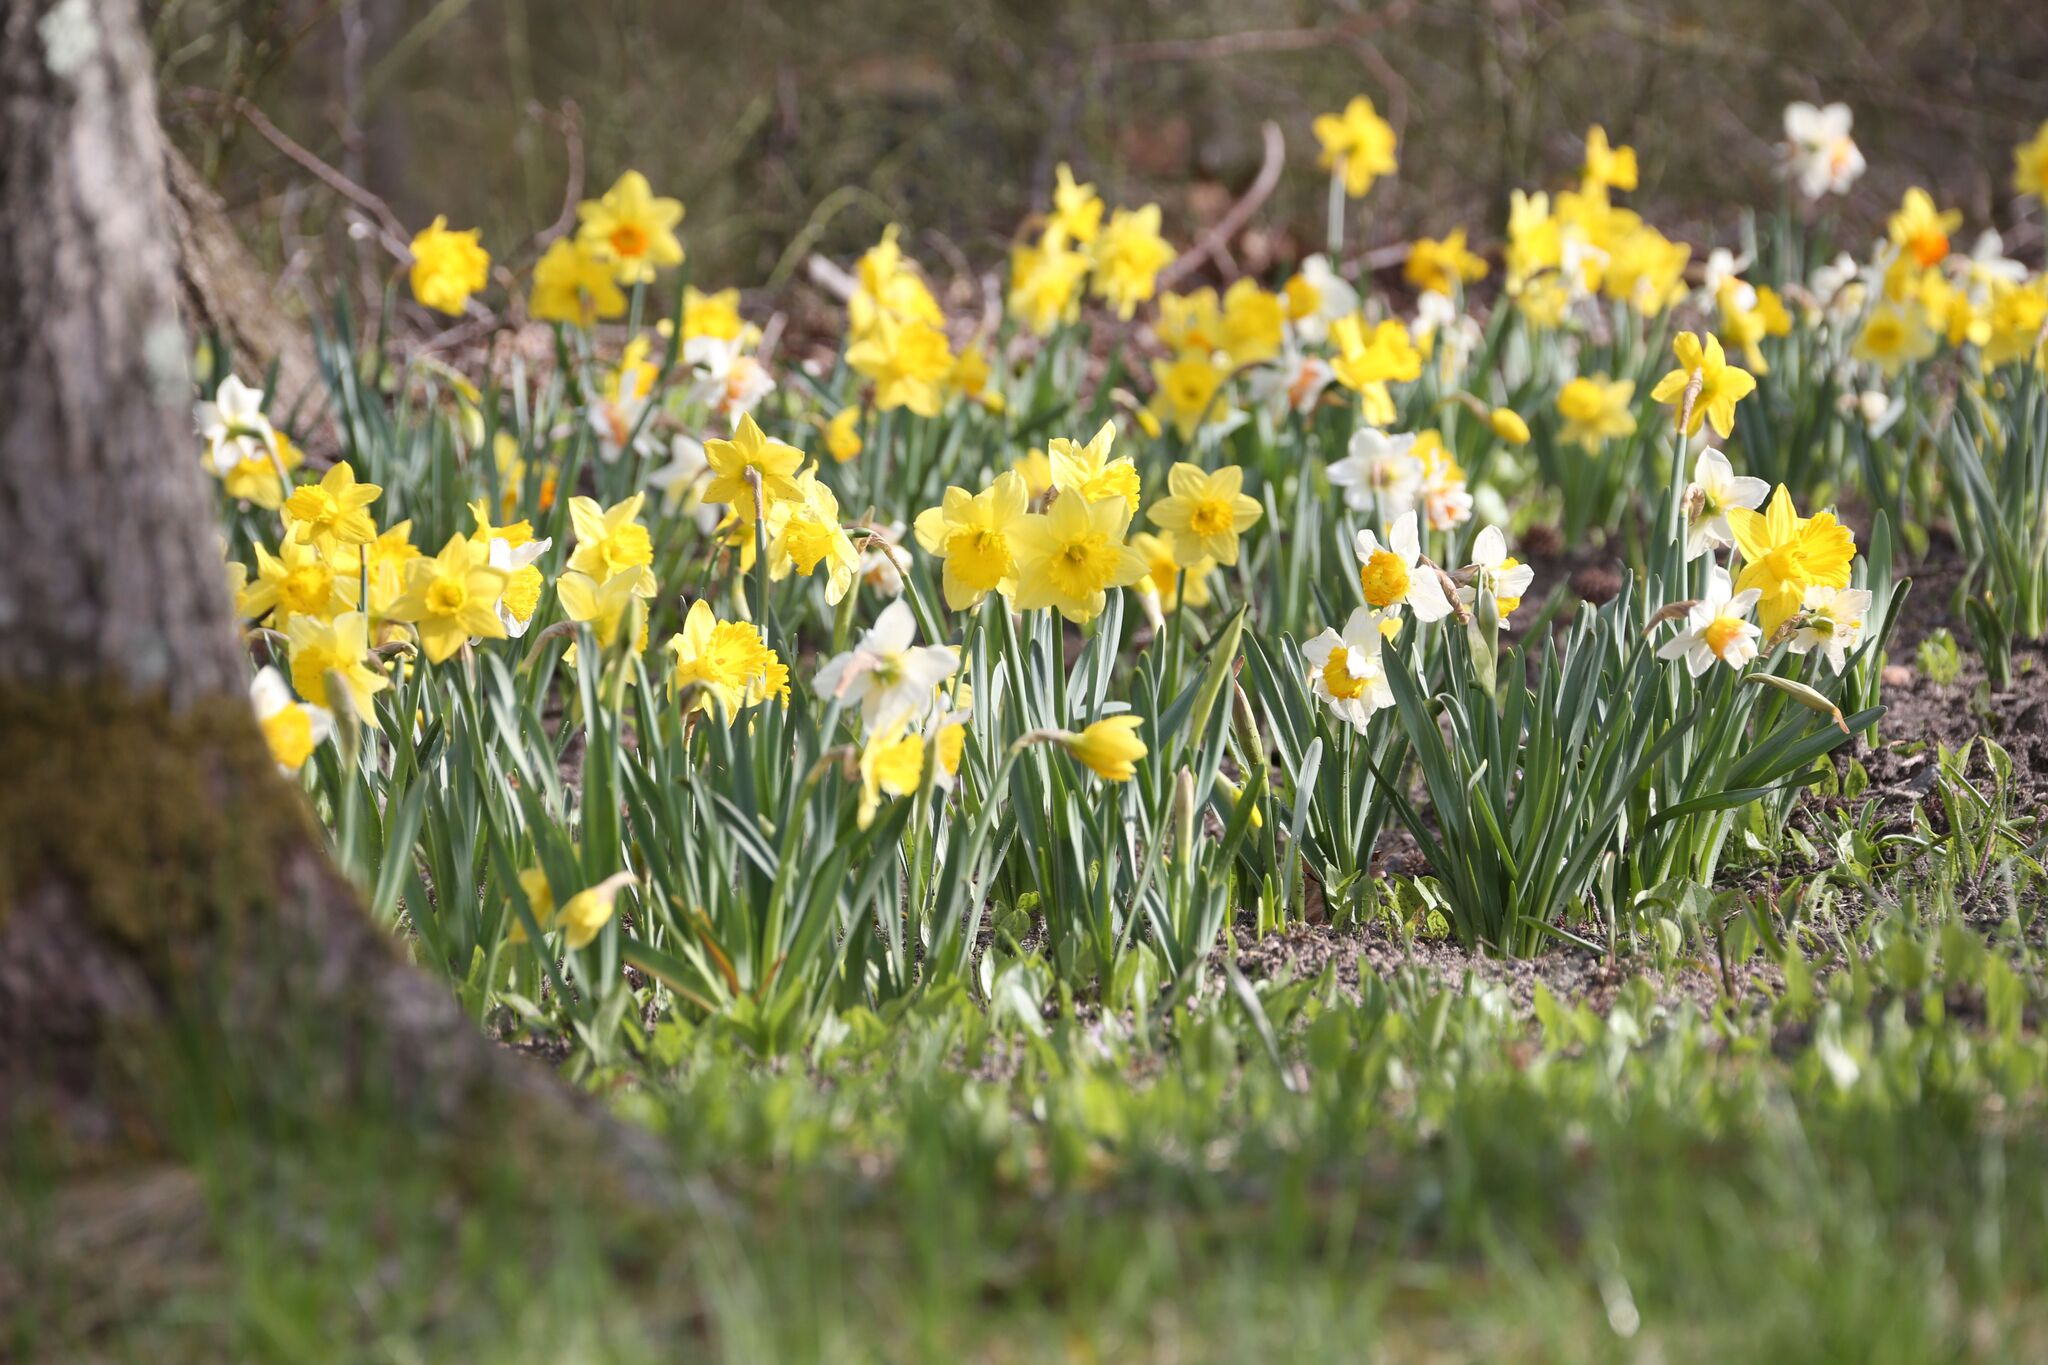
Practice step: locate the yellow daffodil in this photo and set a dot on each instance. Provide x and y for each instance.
(728, 661)
(296, 581)
(1069, 556)
(1893, 337)
(447, 267)
(1372, 357)
(1442, 265)
(1784, 554)
(773, 462)
(1358, 145)
(712, 315)
(2030, 165)
(1922, 230)
(810, 536)
(1253, 323)
(1034, 466)
(291, 728)
(1171, 582)
(1128, 254)
(452, 598)
(1607, 167)
(1596, 409)
(1187, 393)
(908, 361)
(971, 533)
(335, 651)
(1089, 471)
(2015, 317)
(1110, 748)
(255, 480)
(842, 435)
(1045, 284)
(1205, 513)
(332, 511)
(631, 230)
(572, 285)
(610, 541)
(891, 764)
(588, 911)
(1076, 210)
(1509, 426)
(1721, 385)
(604, 607)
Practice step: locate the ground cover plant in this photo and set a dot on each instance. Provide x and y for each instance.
(1489, 804)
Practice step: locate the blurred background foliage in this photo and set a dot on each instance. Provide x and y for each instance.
(796, 125)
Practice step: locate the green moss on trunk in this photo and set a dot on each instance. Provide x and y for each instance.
(166, 826)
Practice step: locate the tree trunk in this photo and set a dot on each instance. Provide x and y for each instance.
(158, 878)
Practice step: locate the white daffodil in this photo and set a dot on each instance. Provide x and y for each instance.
(1293, 382)
(1394, 575)
(1379, 473)
(1346, 671)
(682, 480)
(1838, 287)
(1715, 488)
(618, 422)
(1717, 626)
(292, 728)
(1988, 264)
(886, 672)
(724, 378)
(1831, 621)
(1317, 297)
(1454, 334)
(1493, 565)
(1819, 153)
(233, 426)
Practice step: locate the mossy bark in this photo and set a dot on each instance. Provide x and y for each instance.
(158, 879)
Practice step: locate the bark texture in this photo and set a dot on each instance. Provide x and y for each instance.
(157, 877)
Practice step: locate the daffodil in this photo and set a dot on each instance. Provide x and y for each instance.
(540, 899)
(1045, 284)
(1395, 575)
(334, 511)
(1069, 556)
(712, 315)
(1316, 296)
(908, 360)
(1076, 209)
(2030, 165)
(972, 534)
(447, 267)
(1357, 145)
(1088, 470)
(1920, 229)
(605, 607)
(1784, 554)
(1721, 385)
(1380, 473)
(1170, 582)
(1346, 672)
(892, 763)
(773, 462)
(571, 284)
(260, 480)
(1607, 166)
(1187, 393)
(887, 673)
(1819, 154)
(1498, 571)
(334, 652)
(842, 435)
(292, 728)
(1510, 426)
(584, 914)
(1445, 495)
(1596, 409)
(1442, 265)
(513, 550)
(452, 599)
(728, 662)
(631, 230)
(1894, 336)
(1110, 748)
(1128, 253)
(610, 541)
(1367, 359)
(1831, 620)
(1715, 491)
(1205, 513)
(1715, 628)
(809, 536)
(296, 581)
(234, 428)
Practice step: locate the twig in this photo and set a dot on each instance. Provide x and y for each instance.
(1215, 243)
